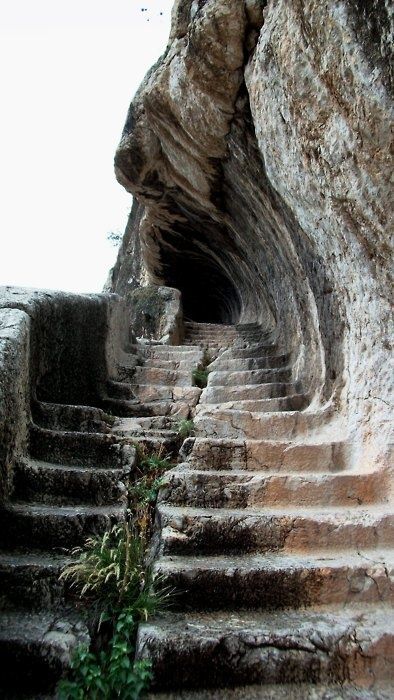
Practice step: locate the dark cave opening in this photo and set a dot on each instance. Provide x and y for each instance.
(208, 294)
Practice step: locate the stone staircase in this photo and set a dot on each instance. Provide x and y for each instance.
(279, 553)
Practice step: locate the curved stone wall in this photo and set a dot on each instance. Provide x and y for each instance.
(257, 151)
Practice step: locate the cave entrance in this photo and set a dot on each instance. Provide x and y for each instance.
(208, 295)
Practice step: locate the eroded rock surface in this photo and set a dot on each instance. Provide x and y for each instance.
(257, 149)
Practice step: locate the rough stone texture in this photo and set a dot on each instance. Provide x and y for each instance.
(14, 399)
(156, 313)
(257, 149)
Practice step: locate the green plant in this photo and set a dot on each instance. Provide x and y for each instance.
(143, 493)
(110, 673)
(185, 428)
(200, 377)
(111, 571)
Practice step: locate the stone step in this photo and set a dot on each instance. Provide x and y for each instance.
(189, 530)
(66, 417)
(35, 650)
(243, 489)
(282, 691)
(257, 376)
(135, 409)
(167, 446)
(195, 650)
(131, 425)
(250, 351)
(195, 325)
(170, 352)
(173, 365)
(54, 527)
(294, 402)
(245, 424)
(31, 580)
(63, 484)
(155, 375)
(79, 449)
(248, 392)
(261, 455)
(241, 364)
(275, 581)
(120, 390)
(147, 393)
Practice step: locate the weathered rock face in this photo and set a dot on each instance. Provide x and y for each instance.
(257, 151)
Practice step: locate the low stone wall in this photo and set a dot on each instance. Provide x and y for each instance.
(55, 347)
(14, 383)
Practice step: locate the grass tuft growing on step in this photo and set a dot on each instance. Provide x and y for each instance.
(200, 377)
(200, 374)
(111, 576)
(185, 428)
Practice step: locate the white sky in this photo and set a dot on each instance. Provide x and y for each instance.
(68, 70)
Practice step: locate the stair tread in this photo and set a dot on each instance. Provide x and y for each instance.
(353, 512)
(267, 474)
(36, 463)
(35, 626)
(206, 624)
(277, 560)
(282, 691)
(32, 508)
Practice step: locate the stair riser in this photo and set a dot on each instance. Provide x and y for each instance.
(79, 449)
(233, 491)
(65, 417)
(51, 531)
(70, 486)
(31, 588)
(255, 392)
(257, 533)
(238, 424)
(30, 669)
(171, 365)
(289, 403)
(274, 589)
(249, 377)
(260, 456)
(147, 393)
(248, 364)
(151, 375)
(242, 659)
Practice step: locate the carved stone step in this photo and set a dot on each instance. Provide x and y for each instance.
(35, 649)
(227, 649)
(243, 489)
(61, 484)
(285, 691)
(255, 455)
(174, 365)
(155, 375)
(31, 580)
(159, 392)
(245, 424)
(274, 581)
(219, 531)
(54, 527)
(66, 417)
(294, 402)
(135, 409)
(250, 363)
(79, 449)
(249, 351)
(171, 352)
(258, 376)
(247, 392)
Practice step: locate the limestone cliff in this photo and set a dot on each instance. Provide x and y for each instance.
(257, 149)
